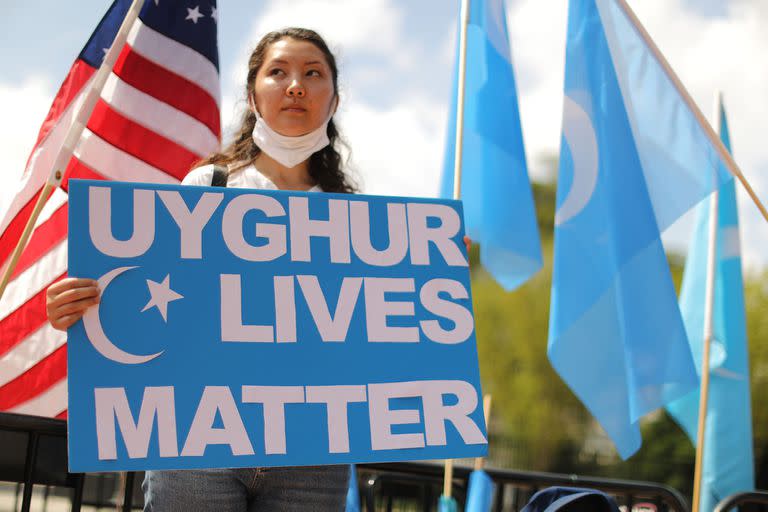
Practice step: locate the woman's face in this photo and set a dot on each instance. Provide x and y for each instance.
(294, 87)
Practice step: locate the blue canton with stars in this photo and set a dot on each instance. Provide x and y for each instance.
(191, 23)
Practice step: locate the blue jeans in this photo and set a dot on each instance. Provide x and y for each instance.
(311, 488)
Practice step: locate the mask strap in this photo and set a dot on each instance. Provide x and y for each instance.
(252, 104)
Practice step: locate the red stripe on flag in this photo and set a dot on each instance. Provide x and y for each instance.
(78, 75)
(168, 87)
(53, 230)
(35, 380)
(24, 321)
(47, 235)
(141, 142)
(62, 415)
(78, 170)
(12, 233)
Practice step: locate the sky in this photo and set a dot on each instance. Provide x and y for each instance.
(396, 65)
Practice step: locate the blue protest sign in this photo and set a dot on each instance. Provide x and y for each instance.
(242, 328)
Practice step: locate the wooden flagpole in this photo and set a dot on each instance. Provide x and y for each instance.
(709, 302)
(72, 137)
(460, 100)
(724, 154)
(448, 476)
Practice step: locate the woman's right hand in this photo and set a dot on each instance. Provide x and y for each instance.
(67, 300)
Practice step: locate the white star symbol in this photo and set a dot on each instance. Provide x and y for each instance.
(105, 50)
(157, 2)
(160, 295)
(194, 14)
(215, 14)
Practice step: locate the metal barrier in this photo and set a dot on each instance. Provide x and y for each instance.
(34, 452)
(422, 482)
(759, 498)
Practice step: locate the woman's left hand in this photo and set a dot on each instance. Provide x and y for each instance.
(467, 242)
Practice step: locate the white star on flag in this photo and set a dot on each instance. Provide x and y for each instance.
(215, 14)
(160, 295)
(194, 14)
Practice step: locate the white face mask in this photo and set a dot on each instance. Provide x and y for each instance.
(289, 151)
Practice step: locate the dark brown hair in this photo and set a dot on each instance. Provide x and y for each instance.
(325, 166)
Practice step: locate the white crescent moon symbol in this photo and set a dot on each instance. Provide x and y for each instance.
(96, 334)
(579, 134)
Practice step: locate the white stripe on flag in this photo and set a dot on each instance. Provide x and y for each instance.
(57, 199)
(42, 159)
(33, 349)
(175, 57)
(159, 117)
(115, 164)
(49, 403)
(37, 277)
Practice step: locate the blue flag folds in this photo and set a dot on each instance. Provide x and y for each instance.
(353, 494)
(498, 203)
(480, 493)
(728, 460)
(447, 504)
(633, 159)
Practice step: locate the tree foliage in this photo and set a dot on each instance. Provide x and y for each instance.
(537, 422)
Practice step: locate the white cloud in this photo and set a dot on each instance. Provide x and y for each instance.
(537, 30)
(397, 151)
(24, 107)
(371, 26)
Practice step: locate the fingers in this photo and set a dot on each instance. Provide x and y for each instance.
(68, 299)
(78, 306)
(69, 283)
(63, 316)
(65, 322)
(73, 295)
(467, 242)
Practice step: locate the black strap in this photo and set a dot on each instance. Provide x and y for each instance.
(220, 176)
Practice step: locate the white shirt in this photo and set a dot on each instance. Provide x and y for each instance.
(247, 177)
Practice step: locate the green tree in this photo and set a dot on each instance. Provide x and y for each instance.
(756, 300)
(538, 424)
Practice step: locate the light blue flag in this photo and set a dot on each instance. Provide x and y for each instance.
(447, 504)
(728, 460)
(498, 202)
(480, 493)
(633, 159)
(353, 494)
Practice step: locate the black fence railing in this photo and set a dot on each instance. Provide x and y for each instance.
(745, 501)
(417, 486)
(33, 452)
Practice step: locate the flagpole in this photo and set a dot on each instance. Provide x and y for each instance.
(708, 328)
(460, 100)
(73, 136)
(711, 135)
(448, 476)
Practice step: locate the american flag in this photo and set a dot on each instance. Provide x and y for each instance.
(157, 114)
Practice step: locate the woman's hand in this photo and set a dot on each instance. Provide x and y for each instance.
(467, 242)
(67, 300)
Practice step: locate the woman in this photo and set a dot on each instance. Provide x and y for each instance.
(287, 140)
